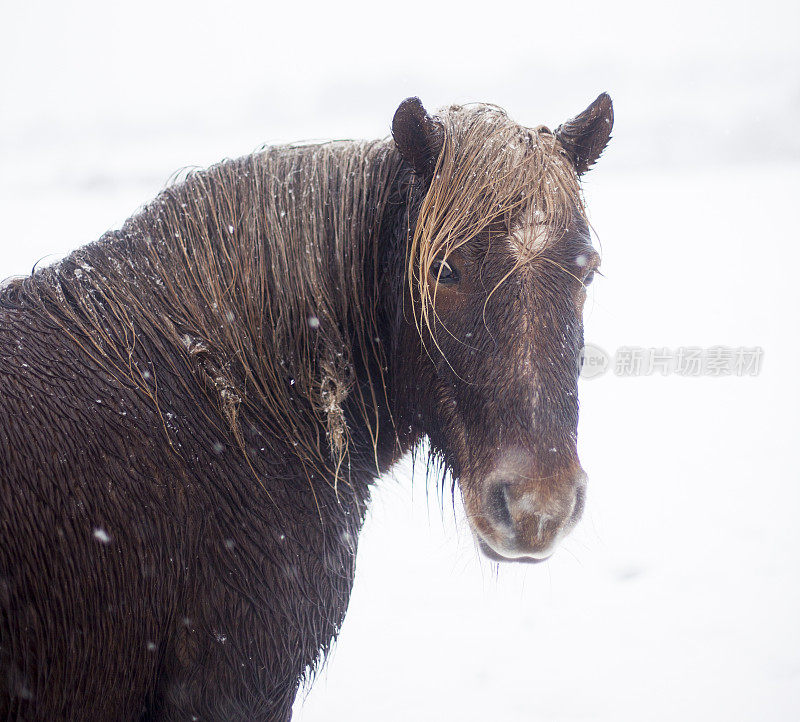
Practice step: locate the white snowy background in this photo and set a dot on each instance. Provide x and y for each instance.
(678, 596)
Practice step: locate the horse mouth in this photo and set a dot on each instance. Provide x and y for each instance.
(490, 553)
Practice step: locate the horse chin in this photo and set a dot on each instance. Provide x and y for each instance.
(494, 556)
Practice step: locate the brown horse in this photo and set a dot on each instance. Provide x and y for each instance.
(194, 407)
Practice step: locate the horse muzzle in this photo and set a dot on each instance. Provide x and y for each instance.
(523, 516)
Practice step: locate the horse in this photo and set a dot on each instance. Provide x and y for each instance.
(196, 406)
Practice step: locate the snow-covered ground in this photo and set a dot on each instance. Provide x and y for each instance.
(677, 596)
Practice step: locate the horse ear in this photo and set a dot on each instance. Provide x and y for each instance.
(418, 137)
(585, 136)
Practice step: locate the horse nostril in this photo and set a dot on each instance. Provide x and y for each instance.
(580, 502)
(499, 504)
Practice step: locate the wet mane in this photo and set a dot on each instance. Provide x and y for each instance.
(259, 273)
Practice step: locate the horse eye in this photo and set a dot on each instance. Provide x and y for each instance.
(444, 272)
(589, 278)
